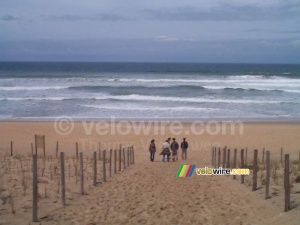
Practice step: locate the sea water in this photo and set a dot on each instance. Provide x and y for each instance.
(248, 92)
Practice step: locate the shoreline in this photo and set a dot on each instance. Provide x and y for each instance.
(131, 119)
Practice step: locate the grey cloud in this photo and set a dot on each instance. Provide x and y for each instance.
(281, 31)
(226, 12)
(98, 17)
(67, 17)
(9, 18)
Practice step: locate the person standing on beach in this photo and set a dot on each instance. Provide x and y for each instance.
(174, 148)
(184, 146)
(152, 150)
(166, 151)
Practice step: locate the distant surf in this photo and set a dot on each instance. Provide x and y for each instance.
(83, 90)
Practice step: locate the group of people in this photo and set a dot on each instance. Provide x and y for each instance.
(169, 149)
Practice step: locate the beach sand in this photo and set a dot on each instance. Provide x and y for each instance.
(146, 192)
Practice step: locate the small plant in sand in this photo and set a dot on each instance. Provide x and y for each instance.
(9, 165)
(51, 173)
(248, 183)
(297, 179)
(44, 166)
(294, 170)
(27, 163)
(275, 175)
(43, 171)
(45, 191)
(276, 165)
(75, 164)
(11, 200)
(55, 169)
(69, 172)
(262, 177)
(24, 184)
(58, 185)
(50, 158)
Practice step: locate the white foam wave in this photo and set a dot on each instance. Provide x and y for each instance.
(251, 88)
(292, 91)
(135, 97)
(181, 99)
(130, 108)
(36, 99)
(19, 88)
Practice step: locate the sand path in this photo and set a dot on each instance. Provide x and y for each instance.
(150, 193)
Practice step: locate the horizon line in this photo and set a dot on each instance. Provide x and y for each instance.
(146, 62)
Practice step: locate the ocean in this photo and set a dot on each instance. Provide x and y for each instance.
(247, 92)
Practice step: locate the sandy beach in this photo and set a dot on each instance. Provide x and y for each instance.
(146, 192)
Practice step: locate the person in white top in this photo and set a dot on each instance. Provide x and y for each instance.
(166, 151)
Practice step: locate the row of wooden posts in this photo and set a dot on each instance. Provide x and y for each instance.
(216, 162)
(40, 144)
(117, 167)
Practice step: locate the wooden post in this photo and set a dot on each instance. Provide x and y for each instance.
(242, 166)
(120, 160)
(63, 184)
(127, 156)
(216, 156)
(132, 155)
(263, 156)
(81, 174)
(212, 156)
(110, 156)
(44, 146)
(11, 148)
(281, 155)
(115, 161)
(228, 158)
(35, 139)
(287, 182)
(254, 183)
(219, 156)
(31, 149)
(76, 150)
(234, 161)
(124, 161)
(35, 189)
(56, 154)
(95, 169)
(99, 152)
(104, 165)
(224, 158)
(268, 174)
(299, 161)
(246, 158)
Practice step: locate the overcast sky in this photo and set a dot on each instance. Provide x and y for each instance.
(263, 31)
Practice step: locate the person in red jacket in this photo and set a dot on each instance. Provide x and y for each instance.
(152, 150)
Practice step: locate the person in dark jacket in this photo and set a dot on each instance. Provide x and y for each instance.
(152, 150)
(184, 146)
(174, 148)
